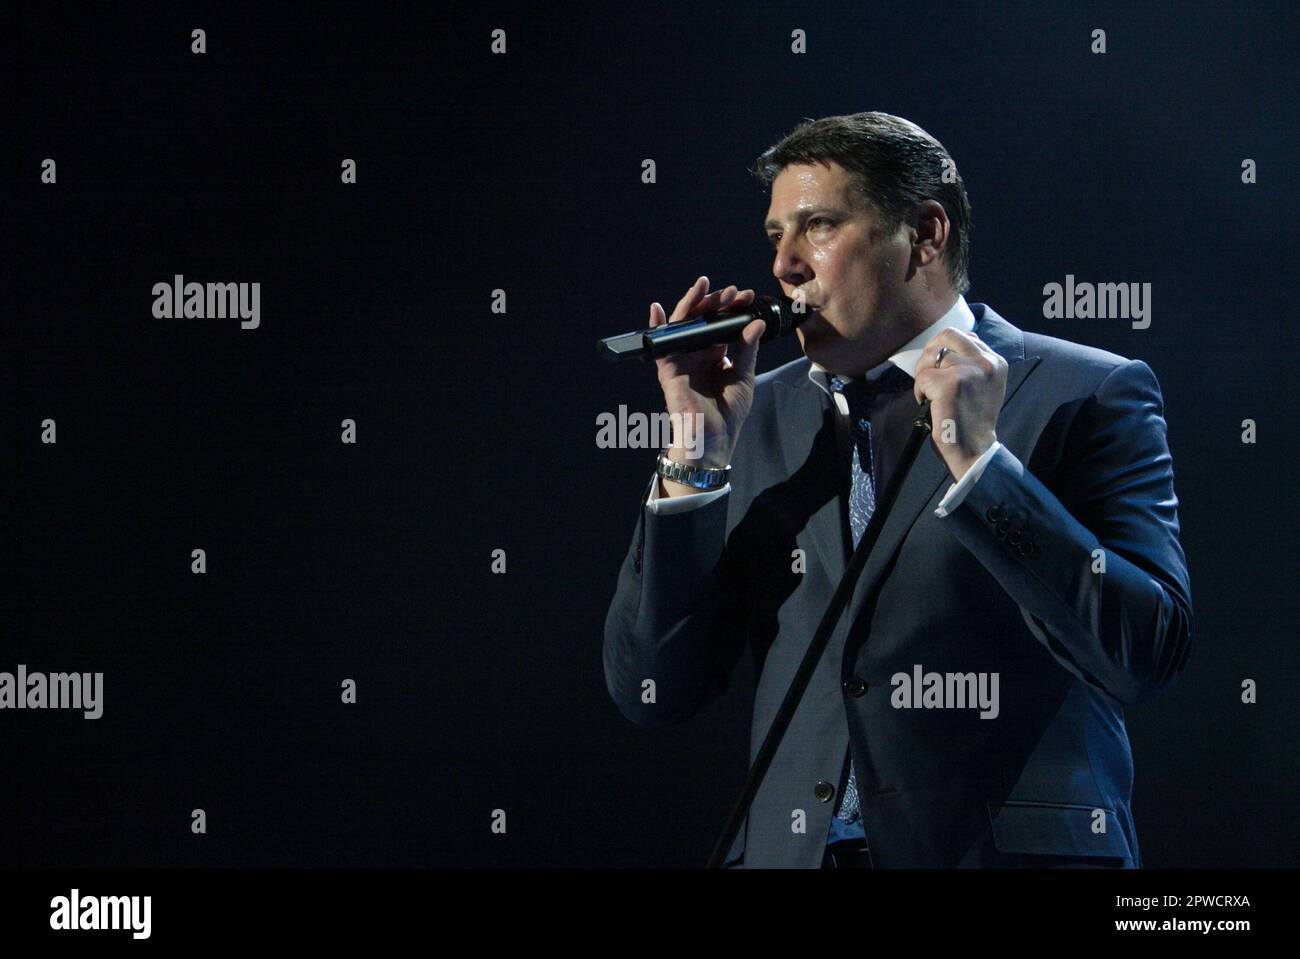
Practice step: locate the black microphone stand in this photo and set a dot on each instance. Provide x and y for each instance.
(803, 675)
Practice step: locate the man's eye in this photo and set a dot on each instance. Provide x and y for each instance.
(774, 238)
(818, 219)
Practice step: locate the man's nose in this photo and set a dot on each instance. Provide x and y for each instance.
(789, 267)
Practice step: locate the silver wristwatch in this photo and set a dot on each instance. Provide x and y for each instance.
(703, 478)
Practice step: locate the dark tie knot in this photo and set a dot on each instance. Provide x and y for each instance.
(861, 392)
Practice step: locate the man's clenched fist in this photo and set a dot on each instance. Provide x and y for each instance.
(965, 393)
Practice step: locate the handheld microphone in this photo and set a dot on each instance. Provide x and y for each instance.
(707, 329)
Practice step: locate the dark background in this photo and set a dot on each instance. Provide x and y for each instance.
(477, 431)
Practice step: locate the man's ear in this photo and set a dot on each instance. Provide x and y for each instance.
(930, 232)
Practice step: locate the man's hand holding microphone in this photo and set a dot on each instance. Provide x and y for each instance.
(708, 382)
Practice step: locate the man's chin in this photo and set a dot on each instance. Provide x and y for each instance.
(829, 352)
(812, 332)
(817, 346)
(822, 359)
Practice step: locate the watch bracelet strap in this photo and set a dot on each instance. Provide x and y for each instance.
(702, 478)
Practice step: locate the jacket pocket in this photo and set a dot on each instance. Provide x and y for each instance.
(1056, 829)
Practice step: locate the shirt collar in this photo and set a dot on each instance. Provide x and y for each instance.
(906, 359)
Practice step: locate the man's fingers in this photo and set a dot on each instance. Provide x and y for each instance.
(698, 299)
(963, 344)
(719, 299)
(744, 353)
(963, 349)
(690, 302)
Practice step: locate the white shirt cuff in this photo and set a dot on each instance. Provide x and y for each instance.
(680, 504)
(958, 490)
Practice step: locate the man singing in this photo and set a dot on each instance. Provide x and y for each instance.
(1026, 587)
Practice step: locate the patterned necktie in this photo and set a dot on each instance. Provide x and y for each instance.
(860, 394)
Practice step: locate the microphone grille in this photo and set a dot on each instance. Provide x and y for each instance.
(778, 312)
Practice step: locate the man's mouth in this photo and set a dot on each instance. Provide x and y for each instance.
(807, 304)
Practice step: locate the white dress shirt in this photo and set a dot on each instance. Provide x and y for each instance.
(906, 359)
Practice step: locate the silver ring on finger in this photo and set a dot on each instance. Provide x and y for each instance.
(938, 358)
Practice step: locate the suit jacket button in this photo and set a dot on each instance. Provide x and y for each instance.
(855, 687)
(994, 514)
(824, 792)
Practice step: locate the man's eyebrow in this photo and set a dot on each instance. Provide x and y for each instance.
(802, 215)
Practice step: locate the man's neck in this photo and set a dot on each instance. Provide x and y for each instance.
(926, 317)
(916, 323)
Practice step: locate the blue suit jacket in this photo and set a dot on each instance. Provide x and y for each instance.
(1004, 584)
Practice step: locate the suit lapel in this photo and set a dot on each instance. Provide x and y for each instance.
(808, 411)
(808, 407)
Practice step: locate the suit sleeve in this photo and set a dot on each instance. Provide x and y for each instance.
(1125, 630)
(676, 618)
(680, 504)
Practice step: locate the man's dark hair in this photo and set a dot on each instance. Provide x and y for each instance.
(892, 163)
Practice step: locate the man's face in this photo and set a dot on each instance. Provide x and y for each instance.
(832, 246)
